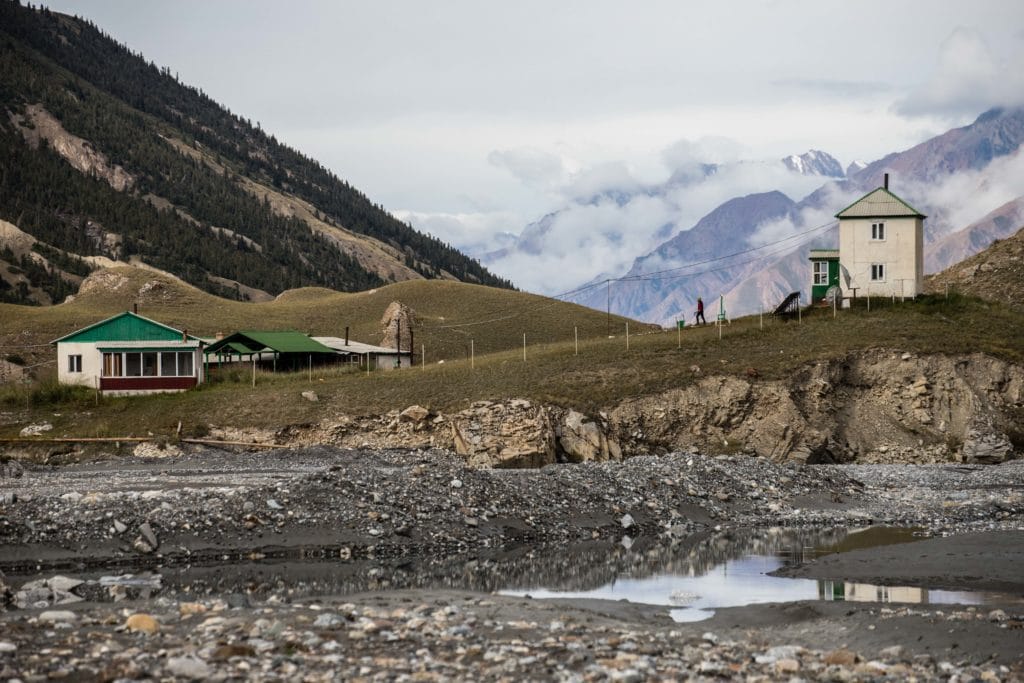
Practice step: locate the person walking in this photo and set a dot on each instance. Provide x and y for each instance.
(700, 312)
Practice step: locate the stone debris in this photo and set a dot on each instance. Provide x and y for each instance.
(453, 637)
(371, 507)
(36, 429)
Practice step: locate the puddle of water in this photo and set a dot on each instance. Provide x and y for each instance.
(692, 576)
(734, 582)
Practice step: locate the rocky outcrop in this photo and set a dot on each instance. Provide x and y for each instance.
(874, 406)
(504, 434)
(582, 439)
(397, 321)
(78, 152)
(856, 408)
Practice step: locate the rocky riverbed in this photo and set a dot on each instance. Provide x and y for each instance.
(179, 567)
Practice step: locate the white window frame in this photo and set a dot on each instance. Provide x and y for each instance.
(878, 232)
(177, 371)
(180, 358)
(821, 272)
(75, 363)
(878, 272)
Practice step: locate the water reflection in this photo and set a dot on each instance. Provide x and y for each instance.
(731, 571)
(693, 575)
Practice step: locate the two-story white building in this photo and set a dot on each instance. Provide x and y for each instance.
(881, 246)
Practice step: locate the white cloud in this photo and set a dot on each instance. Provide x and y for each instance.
(534, 167)
(474, 233)
(967, 196)
(707, 150)
(968, 79)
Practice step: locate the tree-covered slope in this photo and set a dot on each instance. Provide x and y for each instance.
(104, 154)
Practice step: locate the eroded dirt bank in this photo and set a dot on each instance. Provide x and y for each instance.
(873, 406)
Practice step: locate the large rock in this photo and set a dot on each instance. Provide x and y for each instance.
(986, 446)
(508, 434)
(584, 440)
(397, 319)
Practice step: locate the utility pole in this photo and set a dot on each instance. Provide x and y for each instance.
(609, 325)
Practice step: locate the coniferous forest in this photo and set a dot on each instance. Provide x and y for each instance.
(188, 212)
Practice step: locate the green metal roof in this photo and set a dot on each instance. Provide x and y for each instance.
(125, 326)
(254, 341)
(879, 203)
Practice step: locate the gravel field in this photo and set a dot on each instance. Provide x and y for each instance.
(159, 559)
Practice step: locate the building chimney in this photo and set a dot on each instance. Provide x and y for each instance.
(220, 335)
(184, 336)
(885, 182)
(346, 335)
(135, 308)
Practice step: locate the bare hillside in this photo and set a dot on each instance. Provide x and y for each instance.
(996, 274)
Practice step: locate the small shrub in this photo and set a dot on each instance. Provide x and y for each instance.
(199, 430)
(15, 358)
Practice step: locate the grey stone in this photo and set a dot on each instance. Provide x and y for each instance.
(188, 667)
(310, 396)
(58, 616)
(148, 535)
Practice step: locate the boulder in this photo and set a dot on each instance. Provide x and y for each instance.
(504, 434)
(414, 414)
(986, 446)
(584, 440)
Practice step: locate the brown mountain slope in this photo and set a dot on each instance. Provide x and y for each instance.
(996, 274)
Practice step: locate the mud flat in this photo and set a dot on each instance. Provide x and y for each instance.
(179, 567)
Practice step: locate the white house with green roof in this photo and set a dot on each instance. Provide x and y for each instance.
(130, 354)
(881, 246)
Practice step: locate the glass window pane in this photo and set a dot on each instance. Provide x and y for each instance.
(133, 365)
(185, 364)
(149, 361)
(168, 364)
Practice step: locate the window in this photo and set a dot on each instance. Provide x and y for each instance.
(877, 272)
(176, 364)
(113, 365)
(185, 364)
(133, 365)
(878, 231)
(75, 363)
(821, 272)
(168, 364)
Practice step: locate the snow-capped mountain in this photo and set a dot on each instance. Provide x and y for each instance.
(815, 162)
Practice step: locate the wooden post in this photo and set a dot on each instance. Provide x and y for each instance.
(627, 336)
(472, 355)
(799, 308)
(311, 367)
(679, 336)
(576, 336)
(253, 356)
(524, 347)
(367, 363)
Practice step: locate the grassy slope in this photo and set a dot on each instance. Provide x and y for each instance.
(503, 315)
(602, 374)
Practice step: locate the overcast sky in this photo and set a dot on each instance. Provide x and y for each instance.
(471, 119)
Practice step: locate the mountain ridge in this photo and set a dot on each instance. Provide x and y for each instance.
(245, 208)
